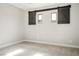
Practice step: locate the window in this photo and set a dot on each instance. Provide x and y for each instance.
(40, 18)
(54, 17)
(61, 15)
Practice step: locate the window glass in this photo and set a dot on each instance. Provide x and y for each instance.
(40, 18)
(54, 17)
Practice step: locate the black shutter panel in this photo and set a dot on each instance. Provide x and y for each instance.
(64, 15)
(32, 18)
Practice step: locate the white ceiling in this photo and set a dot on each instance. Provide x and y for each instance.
(26, 6)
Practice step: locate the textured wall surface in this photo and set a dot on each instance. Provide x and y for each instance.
(53, 32)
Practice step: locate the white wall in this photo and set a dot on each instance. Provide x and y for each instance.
(11, 24)
(55, 33)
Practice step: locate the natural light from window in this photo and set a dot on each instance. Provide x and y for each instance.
(15, 52)
(40, 17)
(38, 54)
(54, 17)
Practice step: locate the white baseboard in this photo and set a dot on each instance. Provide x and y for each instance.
(57, 44)
(9, 44)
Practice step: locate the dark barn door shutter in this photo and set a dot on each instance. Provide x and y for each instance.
(64, 15)
(32, 18)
